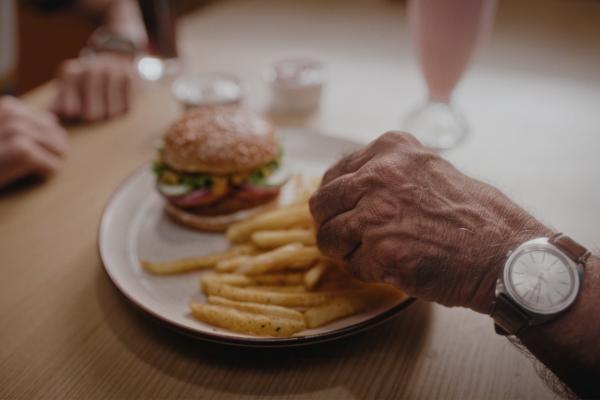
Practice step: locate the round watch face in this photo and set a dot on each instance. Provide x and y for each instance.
(541, 279)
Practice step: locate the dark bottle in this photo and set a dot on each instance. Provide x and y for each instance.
(159, 20)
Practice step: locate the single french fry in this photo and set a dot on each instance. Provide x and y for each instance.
(190, 264)
(290, 256)
(291, 278)
(281, 218)
(300, 192)
(336, 308)
(305, 188)
(272, 239)
(279, 288)
(272, 260)
(287, 299)
(228, 279)
(305, 257)
(297, 181)
(231, 264)
(258, 308)
(314, 183)
(245, 322)
(302, 197)
(285, 282)
(314, 275)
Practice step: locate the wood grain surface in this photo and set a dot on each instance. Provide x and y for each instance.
(532, 102)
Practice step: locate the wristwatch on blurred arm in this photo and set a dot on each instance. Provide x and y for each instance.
(105, 40)
(540, 280)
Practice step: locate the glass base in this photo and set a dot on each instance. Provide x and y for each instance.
(437, 125)
(155, 69)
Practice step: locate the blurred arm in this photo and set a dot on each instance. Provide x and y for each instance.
(102, 82)
(120, 16)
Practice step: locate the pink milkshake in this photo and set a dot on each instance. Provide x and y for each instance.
(446, 34)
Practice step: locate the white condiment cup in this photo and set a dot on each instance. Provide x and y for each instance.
(296, 85)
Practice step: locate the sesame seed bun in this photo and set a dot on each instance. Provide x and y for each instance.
(220, 140)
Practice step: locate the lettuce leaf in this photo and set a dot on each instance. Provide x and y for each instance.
(199, 181)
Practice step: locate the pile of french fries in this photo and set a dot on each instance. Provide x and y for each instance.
(273, 281)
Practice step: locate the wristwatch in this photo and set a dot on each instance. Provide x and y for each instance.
(105, 40)
(540, 280)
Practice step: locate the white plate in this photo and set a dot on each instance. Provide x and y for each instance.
(134, 226)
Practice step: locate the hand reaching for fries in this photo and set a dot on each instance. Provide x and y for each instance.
(397, 212)
(273, 281)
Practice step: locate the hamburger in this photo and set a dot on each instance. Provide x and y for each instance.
(218, 165)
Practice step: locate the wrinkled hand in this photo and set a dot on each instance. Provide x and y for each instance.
(95, 88)
(31, 141)
(398, 213)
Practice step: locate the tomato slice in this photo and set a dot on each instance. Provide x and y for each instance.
(255, 192)
(197, 198)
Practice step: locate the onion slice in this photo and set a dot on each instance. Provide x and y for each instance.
(278, 178)
(173, 190)
(197, 198)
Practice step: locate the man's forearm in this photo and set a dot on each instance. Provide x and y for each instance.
(570, 345)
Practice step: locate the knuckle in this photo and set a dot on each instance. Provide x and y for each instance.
(378, 212)
(8, 104)
(393, 254)
(320, 202)
(371, 176)
(12, 126)
(392, 135)
(107, 70)
(20, 148)
(68, 68)
(13, 130)
(130, 75)
(333, 171)
(124, 71)
(410, 138)
(342, 188)
(314, 204)
(61, 133)
(329, 175)
(391, 138)
(88, 71)
(421, 158)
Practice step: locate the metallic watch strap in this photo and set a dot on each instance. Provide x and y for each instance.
(571, 248)
(510, 319)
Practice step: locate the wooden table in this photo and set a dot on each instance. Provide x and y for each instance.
(532, 100)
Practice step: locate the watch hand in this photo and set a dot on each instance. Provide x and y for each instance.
(537, 289)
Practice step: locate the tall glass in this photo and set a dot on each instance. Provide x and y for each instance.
(446, 34)
(162, 59)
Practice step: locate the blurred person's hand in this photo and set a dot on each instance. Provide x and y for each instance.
(31, 141)
(95, 88)
(397, 212)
